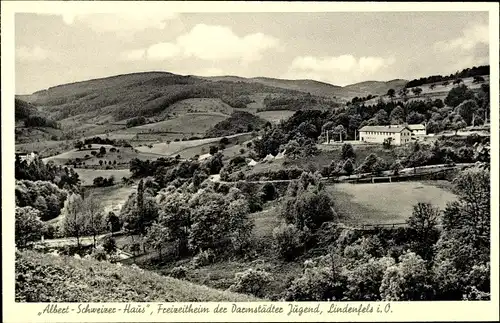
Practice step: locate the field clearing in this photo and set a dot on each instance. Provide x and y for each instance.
(275, 116)
(200, 105)
(230, 151)
(177, 146)
(122, 156)
(188, 124)
(111, 198)
(385, 202)
(87, 175)
(45, 148)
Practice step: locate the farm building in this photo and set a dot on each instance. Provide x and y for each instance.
(400, 135)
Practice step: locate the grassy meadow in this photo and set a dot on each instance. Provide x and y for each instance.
(385, 202)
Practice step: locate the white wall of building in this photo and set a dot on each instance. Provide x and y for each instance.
(398, 138)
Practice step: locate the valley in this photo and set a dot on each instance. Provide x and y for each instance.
(230, 188)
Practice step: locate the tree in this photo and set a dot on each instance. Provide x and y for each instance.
(347, 152)
(415, 118)
(387, 143)
(371, 164)
(268, 192)
(213, 149)
(408, 280)
(460, 124)
(102, 150)
(381, 117)
(252, 282)
(458, 95)
(175, 216)
(113, 221)
(466, 110)
(364, 280)
(391, 93)
(396, 167)
(78, 145)
(74, 223)
(340, 130)
(457, 81)
(95, 220)
(423, 222)
(100, 162)
(463, 250)
(478, 79)
(286, 240)
(109, 245)
(404, 93)
(397, 115)
(417, 91)
(348, 167)
(157, 237)
(28, 226)
(210, 226)
(310, 208)
(240, 226)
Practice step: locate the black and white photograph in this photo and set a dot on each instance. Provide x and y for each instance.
(170, 156)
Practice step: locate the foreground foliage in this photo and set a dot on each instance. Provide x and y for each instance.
(50, 278)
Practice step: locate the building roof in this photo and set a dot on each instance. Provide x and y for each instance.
(394, 129)
(416, 126)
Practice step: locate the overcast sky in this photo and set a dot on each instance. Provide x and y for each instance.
(338, 48)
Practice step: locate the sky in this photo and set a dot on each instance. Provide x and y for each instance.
(340, 48)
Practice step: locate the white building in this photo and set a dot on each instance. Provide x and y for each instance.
(377, 134)
(418, 129)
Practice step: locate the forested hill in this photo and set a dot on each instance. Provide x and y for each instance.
(468, 72)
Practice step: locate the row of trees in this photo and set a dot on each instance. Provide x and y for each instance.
(465, 73)
(194, 222)
(442, 151)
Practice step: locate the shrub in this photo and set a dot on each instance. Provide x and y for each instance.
(252, 282)
(99, 254)
(317, 284)
(178, 272)
(287, 241)
(268, 192)
(109, 245)
(28, 226)
(204, 258)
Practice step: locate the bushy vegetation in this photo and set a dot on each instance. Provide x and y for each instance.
(103, 182)
(252, 282)
(37, 170)
(134, 122)
(50, 278)
(44, 196)
(31, 117)
(238, 122)
(298, 102)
